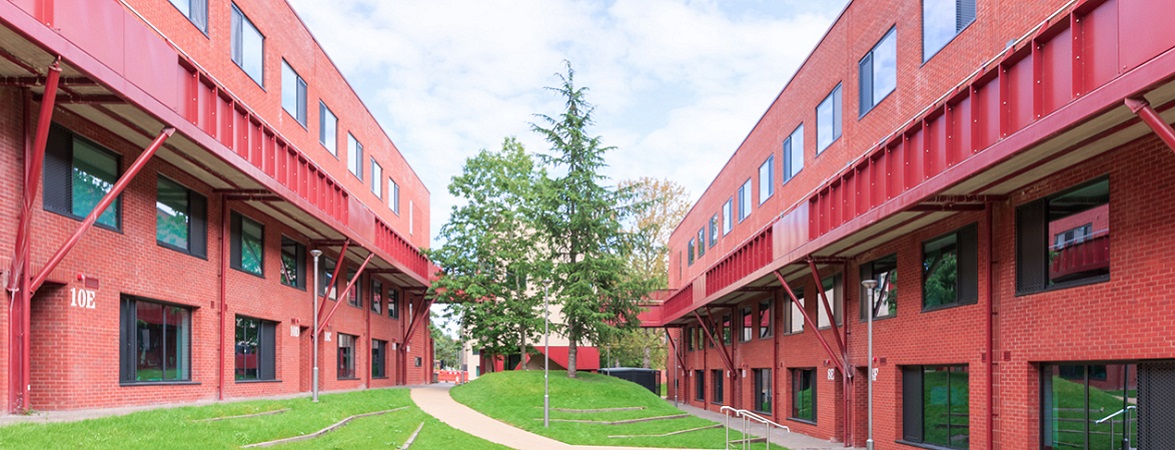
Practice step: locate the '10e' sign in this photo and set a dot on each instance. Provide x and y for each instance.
(81, 298)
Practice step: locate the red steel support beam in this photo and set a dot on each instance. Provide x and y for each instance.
(32, 176)
(706, 330)
(119, 186)
(417, 319)
(1152, 118)
(840, 345)
(334, 281)
(673, 346)
(342, 295)
(808, 320)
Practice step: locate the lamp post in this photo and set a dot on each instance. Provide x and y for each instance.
(546, 354)
(870, 285)
(314, 339)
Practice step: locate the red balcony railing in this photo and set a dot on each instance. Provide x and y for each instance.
(1087, 257)
(751, 256)
(391, 242)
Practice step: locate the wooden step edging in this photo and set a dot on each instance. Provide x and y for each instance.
(245, 416)
(322, 431)
(671, 433)
(620, 422)
(626, 408)
(412, 438)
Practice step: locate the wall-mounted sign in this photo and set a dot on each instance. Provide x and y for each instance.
(81, 298)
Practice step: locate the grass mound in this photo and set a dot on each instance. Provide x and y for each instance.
(516, 397)
(180, 427)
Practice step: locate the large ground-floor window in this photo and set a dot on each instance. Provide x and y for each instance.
(1090, 406)
(803, 394)
(762, 390)
(255, 349)
(346, 356)
(936, 405)
(379, 366)
(155, 341)
(699, 385)
(718, 385)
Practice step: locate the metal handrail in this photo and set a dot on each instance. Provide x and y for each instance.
(1115, 414)
(748, 416)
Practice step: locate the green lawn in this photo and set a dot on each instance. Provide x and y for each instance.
(516, 397)
(174, 427)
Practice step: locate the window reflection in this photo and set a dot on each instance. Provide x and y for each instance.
(1079, 234)
(1090, 406)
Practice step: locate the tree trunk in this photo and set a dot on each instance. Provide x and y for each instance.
(645, 360)
(522, 349)
(571, 353)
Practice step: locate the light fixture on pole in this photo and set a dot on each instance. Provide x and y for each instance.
(870, 285)
(546, 354)
(314, 338)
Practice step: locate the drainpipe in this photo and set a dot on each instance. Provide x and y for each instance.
(224, 232)
(991, 284)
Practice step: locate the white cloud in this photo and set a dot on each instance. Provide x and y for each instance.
(678, 84)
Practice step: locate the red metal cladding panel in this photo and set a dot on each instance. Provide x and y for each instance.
(1144, 30)
(1019, 88)
(861, 188)
(876, 166)
(29, 6)
(152, 62)
(1099, 51)
(985, 115)
(84, 22)
(224, 115)
(935, 147)
(1056, 71)
(893, 171)
(959, 140)
(914, 153)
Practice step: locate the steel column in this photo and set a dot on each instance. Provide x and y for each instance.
(334, 282)
(989, 368)
(417, 319)
(706, 330)
(109, 198)
(840, 345)
(808, 320)
(1143, 108)
(339, 299)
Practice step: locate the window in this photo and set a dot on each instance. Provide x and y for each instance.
(394, 196)
(377, 179)
(246, 245)
(155, 341)
(935, 405)
(393, 303)
(377, 297)
(767, 179)
(328, 127)
(701, 243)
(713, 230)
(942, 20)
(180, 218)
(950, 269)
(726, 331)
(326, 272)
(689, 338)
(293, 93)
(831, 286)
(879, 71)
(699, 386)
(1075, 397)
(803, 394)
(353, 297)
(195, 10)
(346, 356)
(248, 46)
(293, 263)
(1054, 246)
(828, 116)
(793, 154)
(690, 250)
(78, 173)
(354, 156)
(762, 390)
(717, 385)
(795, 318)
(744, 200)
(255, 349)
(885, 295)
(417, 361)
(765, 319)
(746, 324)
(727, 216)
(379, 365)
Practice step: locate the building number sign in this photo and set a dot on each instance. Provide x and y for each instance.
(81, 298)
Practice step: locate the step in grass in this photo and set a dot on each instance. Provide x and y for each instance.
(671, 433)
(621, 422)
(323, 431)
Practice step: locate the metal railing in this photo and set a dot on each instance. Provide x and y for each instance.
(1125, 413)
(748, 417)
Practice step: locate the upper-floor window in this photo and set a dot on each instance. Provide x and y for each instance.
(883, 301)
(828, 120)
(195, 10)
(247, 244)
(294, 93)
(689, 249)
(328, 126)
(767, 179)
(354, 156)
(411, 219)
(248, 46)
(1064, 240)
(394, 196)
(879, 71)
(765, 319)
(701, 243)
(746, 324)
(793, 153)
(950, 269)
(377, 297)
(180, 218)
(377, 179)
(713, 230)
(744, 200)
(353, 296)
(942, 20)
(293, 263)
(795, 318)
(727, 216)
(78, 173)
(831, 287)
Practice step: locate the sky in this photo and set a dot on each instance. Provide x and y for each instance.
(677, 85)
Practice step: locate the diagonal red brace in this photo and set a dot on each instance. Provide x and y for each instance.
(808, 320)
(1148, 114)
(109, 198)
(334, 279)
(706, 330)
(32, 176)
(673, 346)
(417, 319)
(342, 295)
(840, 345)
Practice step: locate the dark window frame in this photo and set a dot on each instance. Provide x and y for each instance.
(237, 45)
(393, 302)
(57, 176)
(345, 369)
(301, 115)
(744, 201)
(762, 380)
(701, 242)
(197, 211)
(746, 324)
(790, 314)
(691, 249)
(354, 156)
(869, 271)
(130, 353)
(798, 376)
(377, 297)
(194, 14)
(769, 183)
(700, 385)
(717, 386)
(355, 296)
(728, 216)
(789, 153)
(237, 244)
(865, 72)
(299, 255)
(965, 14)
(769, 330)
(1032, 242)
(713, 230)
(266, 351)
(379, 363)
(835, 98)
(913, 403)
(333, 146)
(966, 249)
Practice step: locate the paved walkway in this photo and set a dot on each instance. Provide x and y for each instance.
(792, 441)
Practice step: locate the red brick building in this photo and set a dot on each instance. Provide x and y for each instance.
(971, 157)
(241, 149)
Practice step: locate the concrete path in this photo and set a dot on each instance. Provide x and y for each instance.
(435, 401)
(792, 441)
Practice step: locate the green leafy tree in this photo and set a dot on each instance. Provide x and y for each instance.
(446, 349)
(582, 222)
(489, 252)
